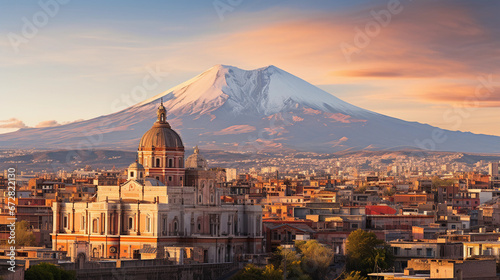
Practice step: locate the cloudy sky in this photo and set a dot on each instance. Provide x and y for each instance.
(434, 62)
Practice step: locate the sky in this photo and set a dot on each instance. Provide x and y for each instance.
(434, 62)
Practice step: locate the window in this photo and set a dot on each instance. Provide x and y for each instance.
(170, 178)
(396, 251)
(83, 223)
(94, 225)
(429, 252)
(131, 173)
(180, 162)
(419, 251)
(148, 224)
(354, 225)
(130, 223)
(199, 198)
(65, 222)
(170, 162)
(157, 162)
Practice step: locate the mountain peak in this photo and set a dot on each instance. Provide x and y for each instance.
(266, 91)
(267, 108)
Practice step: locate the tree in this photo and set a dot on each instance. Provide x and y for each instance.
(271, 273)
(366, 253)
(251, 272)
(309, 260)
(361, 189)
(355, 275)
(315, 258)
(24, 236)
(389, 191)
(48, 271)
(290, 263)
(438, 182)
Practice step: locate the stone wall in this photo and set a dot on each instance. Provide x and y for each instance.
(174, 272)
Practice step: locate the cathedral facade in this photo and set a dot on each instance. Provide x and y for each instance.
(169, 207)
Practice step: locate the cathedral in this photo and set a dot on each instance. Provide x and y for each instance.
(167, 208)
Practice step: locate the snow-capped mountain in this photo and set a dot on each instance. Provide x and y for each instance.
(265, 109)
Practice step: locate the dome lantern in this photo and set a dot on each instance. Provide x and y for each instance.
(161, 136)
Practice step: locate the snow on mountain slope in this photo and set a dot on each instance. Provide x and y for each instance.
(263, 109)
(266, 91)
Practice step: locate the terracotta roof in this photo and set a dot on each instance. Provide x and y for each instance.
(379, 210)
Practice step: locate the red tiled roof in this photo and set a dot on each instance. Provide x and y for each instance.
(379, 210)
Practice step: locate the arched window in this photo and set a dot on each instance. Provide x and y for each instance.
(176, 227)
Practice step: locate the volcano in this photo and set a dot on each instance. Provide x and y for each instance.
(266, 109)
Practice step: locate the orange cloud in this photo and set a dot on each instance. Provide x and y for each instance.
(464, 95)
(48, 123)
(12, 123)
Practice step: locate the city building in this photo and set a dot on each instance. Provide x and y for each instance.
(165, 209)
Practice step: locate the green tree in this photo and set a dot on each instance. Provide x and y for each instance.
(438, 182)
(291, 264)
(361, 189)
(389, 191)
(315, 258)
(251, 272)
(272, 273)
(48, 271)
(355, 275)
(24, 236)
(365, 252)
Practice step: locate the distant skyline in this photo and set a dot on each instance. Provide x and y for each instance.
(434, 62)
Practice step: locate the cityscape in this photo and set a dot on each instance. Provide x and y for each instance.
(133, 153)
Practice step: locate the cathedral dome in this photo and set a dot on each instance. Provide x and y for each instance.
(136, 166)
(161, 135)
(196, 160)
